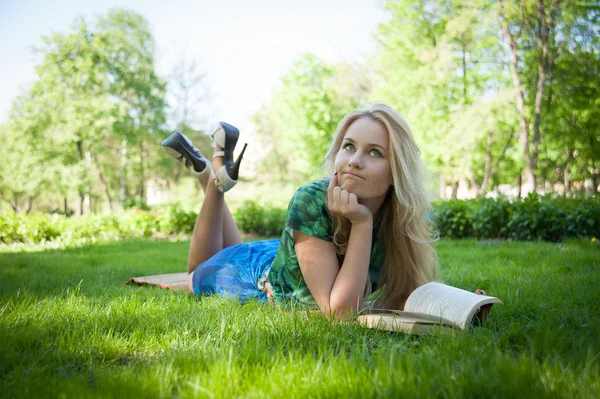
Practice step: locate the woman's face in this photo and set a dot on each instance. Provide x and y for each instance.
(363, 163)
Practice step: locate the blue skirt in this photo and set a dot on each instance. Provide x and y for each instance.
(234, 272)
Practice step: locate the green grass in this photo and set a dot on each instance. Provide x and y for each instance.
(70, 328)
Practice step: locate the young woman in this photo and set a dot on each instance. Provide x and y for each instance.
(362, 233)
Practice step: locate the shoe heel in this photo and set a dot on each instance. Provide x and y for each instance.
(234, 169)
(227, 175)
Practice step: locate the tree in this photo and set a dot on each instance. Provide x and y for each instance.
(22, 175)
(304, 113)
(437, 64)
(520, 23)
(96, 102)
(571, 150)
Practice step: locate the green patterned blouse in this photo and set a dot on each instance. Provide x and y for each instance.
(308, 213)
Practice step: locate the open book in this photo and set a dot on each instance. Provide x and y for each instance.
(430, 306)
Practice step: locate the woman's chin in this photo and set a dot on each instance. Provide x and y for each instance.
(349, 185)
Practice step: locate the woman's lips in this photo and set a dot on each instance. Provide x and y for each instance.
(352, 174)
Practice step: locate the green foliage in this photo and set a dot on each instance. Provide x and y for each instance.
(34, 228)
(38, 228)
(490, 217)
(555, 218)
(96, 104)
(298, 124)
(250, 216)
(535, 217)
(177, 221)
(442, 65)
(22, 177)
(453, 218)
(253, 218)
(133, 202)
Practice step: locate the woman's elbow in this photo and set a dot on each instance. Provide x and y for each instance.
(339, 308)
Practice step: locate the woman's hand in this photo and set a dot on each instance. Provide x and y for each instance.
(345, 203)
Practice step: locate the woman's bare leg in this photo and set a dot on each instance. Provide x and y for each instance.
(215, 228)
(231, 233)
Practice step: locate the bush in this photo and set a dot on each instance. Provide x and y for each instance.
(274, 222)
(538, 218)
(490, 218)
(533, 218)
(177, 221)
(454, 218)
(253, 218)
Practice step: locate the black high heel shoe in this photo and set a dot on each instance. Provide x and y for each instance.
(181, 148)
(226, 136)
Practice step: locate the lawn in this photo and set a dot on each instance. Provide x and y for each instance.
(70, 328)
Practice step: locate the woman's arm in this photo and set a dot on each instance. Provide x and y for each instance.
(338, 290)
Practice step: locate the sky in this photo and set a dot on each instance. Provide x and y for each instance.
(244, 47)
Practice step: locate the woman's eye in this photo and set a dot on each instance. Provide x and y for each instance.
(349, 147)
(376, 153)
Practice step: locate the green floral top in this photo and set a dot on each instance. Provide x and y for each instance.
(308, 213)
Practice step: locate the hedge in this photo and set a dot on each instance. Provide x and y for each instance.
(547, 218)
(535, 217)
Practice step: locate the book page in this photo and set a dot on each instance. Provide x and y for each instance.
(446, 302)
(403, 323)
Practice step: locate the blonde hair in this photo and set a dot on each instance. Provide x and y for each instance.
(406, 231)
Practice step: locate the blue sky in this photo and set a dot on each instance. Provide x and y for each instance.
(243, 46)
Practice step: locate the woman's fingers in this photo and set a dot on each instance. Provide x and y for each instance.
(341, 201)
(353, 200)
(332, 185)
(337, 190)
(345, 203)
(344, 197)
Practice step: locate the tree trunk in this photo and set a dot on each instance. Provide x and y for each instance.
(542, 42)
(25, 208)
(29, 204)
(594, 181)
(88, 167)
(66, 207)
(520, 99)
(105, 187)
(142, 174)
(488, 164)
(501, 157)
(594, 170)
(519, 184)
(474, 185)
(566, 180)
(82, 194)
(123, 189)
(454, 190)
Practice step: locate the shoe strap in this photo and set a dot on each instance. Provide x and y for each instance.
(218, 154)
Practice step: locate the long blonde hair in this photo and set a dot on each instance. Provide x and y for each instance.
(406, 230)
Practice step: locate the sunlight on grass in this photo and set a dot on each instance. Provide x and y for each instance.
(68, 326)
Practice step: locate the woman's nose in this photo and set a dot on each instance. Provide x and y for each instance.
(355, 160)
